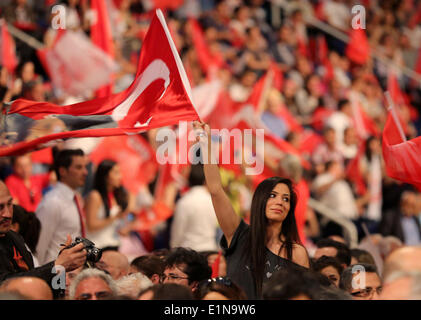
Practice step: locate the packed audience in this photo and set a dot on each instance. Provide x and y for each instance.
(217, 214)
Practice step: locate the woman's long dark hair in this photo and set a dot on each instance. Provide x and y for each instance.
(100, 184)
(256, 248)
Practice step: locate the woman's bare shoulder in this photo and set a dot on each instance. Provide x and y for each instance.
(300, 255)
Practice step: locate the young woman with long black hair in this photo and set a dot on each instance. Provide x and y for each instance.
(106, 205)
(254, 252)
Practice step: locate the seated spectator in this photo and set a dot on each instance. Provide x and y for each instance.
(186, 267)
(271, 118)
(166, 291)
(92, 284)
(389, 244)
(329, 267)
(402, 285)
(361, 256)
(194, 224)
(403, 223)
(403, 259)
(337, 238)
(402, 274)
(28, 226)
(34, 90)
(362, 281)
(70, 276)
(132, 284)
(26, 188)
(340, 120)
(334, 191)
(150, 265)
(29, 287)
(326, 151)
(300, 284)
(20, 13)
(331, 248)
(349, 144)
(220, 288)
(114, 263)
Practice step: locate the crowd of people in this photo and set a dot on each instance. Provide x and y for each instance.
(227, 235)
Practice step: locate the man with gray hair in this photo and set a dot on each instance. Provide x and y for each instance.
(402, 285)
(402, 274)
(130, 285)
(92, 284)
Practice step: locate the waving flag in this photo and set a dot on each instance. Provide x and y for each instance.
(358, 48)
(401, 156)
(7, 49)
(160, 95)
(101, 35)
(75, 65)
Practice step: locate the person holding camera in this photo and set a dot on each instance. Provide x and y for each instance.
(16, 260)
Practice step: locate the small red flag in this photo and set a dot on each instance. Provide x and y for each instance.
(7, 49)
(358, 48)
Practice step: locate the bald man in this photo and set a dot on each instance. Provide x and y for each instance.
(30, 287)
(16, 260)
(115, 263)
(402, 273)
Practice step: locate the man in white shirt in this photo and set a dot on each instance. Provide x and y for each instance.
(333, 191)
(60, 211)
(194, 224)
(340, 120)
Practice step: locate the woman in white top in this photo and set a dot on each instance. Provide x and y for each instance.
(106, 206)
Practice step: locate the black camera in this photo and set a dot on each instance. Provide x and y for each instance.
(93, 253)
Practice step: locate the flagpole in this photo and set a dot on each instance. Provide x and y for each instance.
(29, 40)
(392, 109)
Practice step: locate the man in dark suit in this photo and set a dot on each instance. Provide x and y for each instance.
(16, 260)
(403, 223)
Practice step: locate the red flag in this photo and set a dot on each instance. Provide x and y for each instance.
(92, 70)
(273, 78)
(167, 4)
(215, 265)
(7, 49)
(303, 194)
(353, 172)
(323, 57)
(102, 37)
(309, 141)
(402, 158)
(398, 97)
(394, 89)
(358, 48)
(209, 61)
(160, 95)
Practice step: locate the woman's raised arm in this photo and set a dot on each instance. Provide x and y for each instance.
(227, 218)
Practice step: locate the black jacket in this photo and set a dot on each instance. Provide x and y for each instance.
(391, 224)
(7, 269)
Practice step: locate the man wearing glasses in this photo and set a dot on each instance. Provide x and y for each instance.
(362, 281)
(186, 267)
(92, 284)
